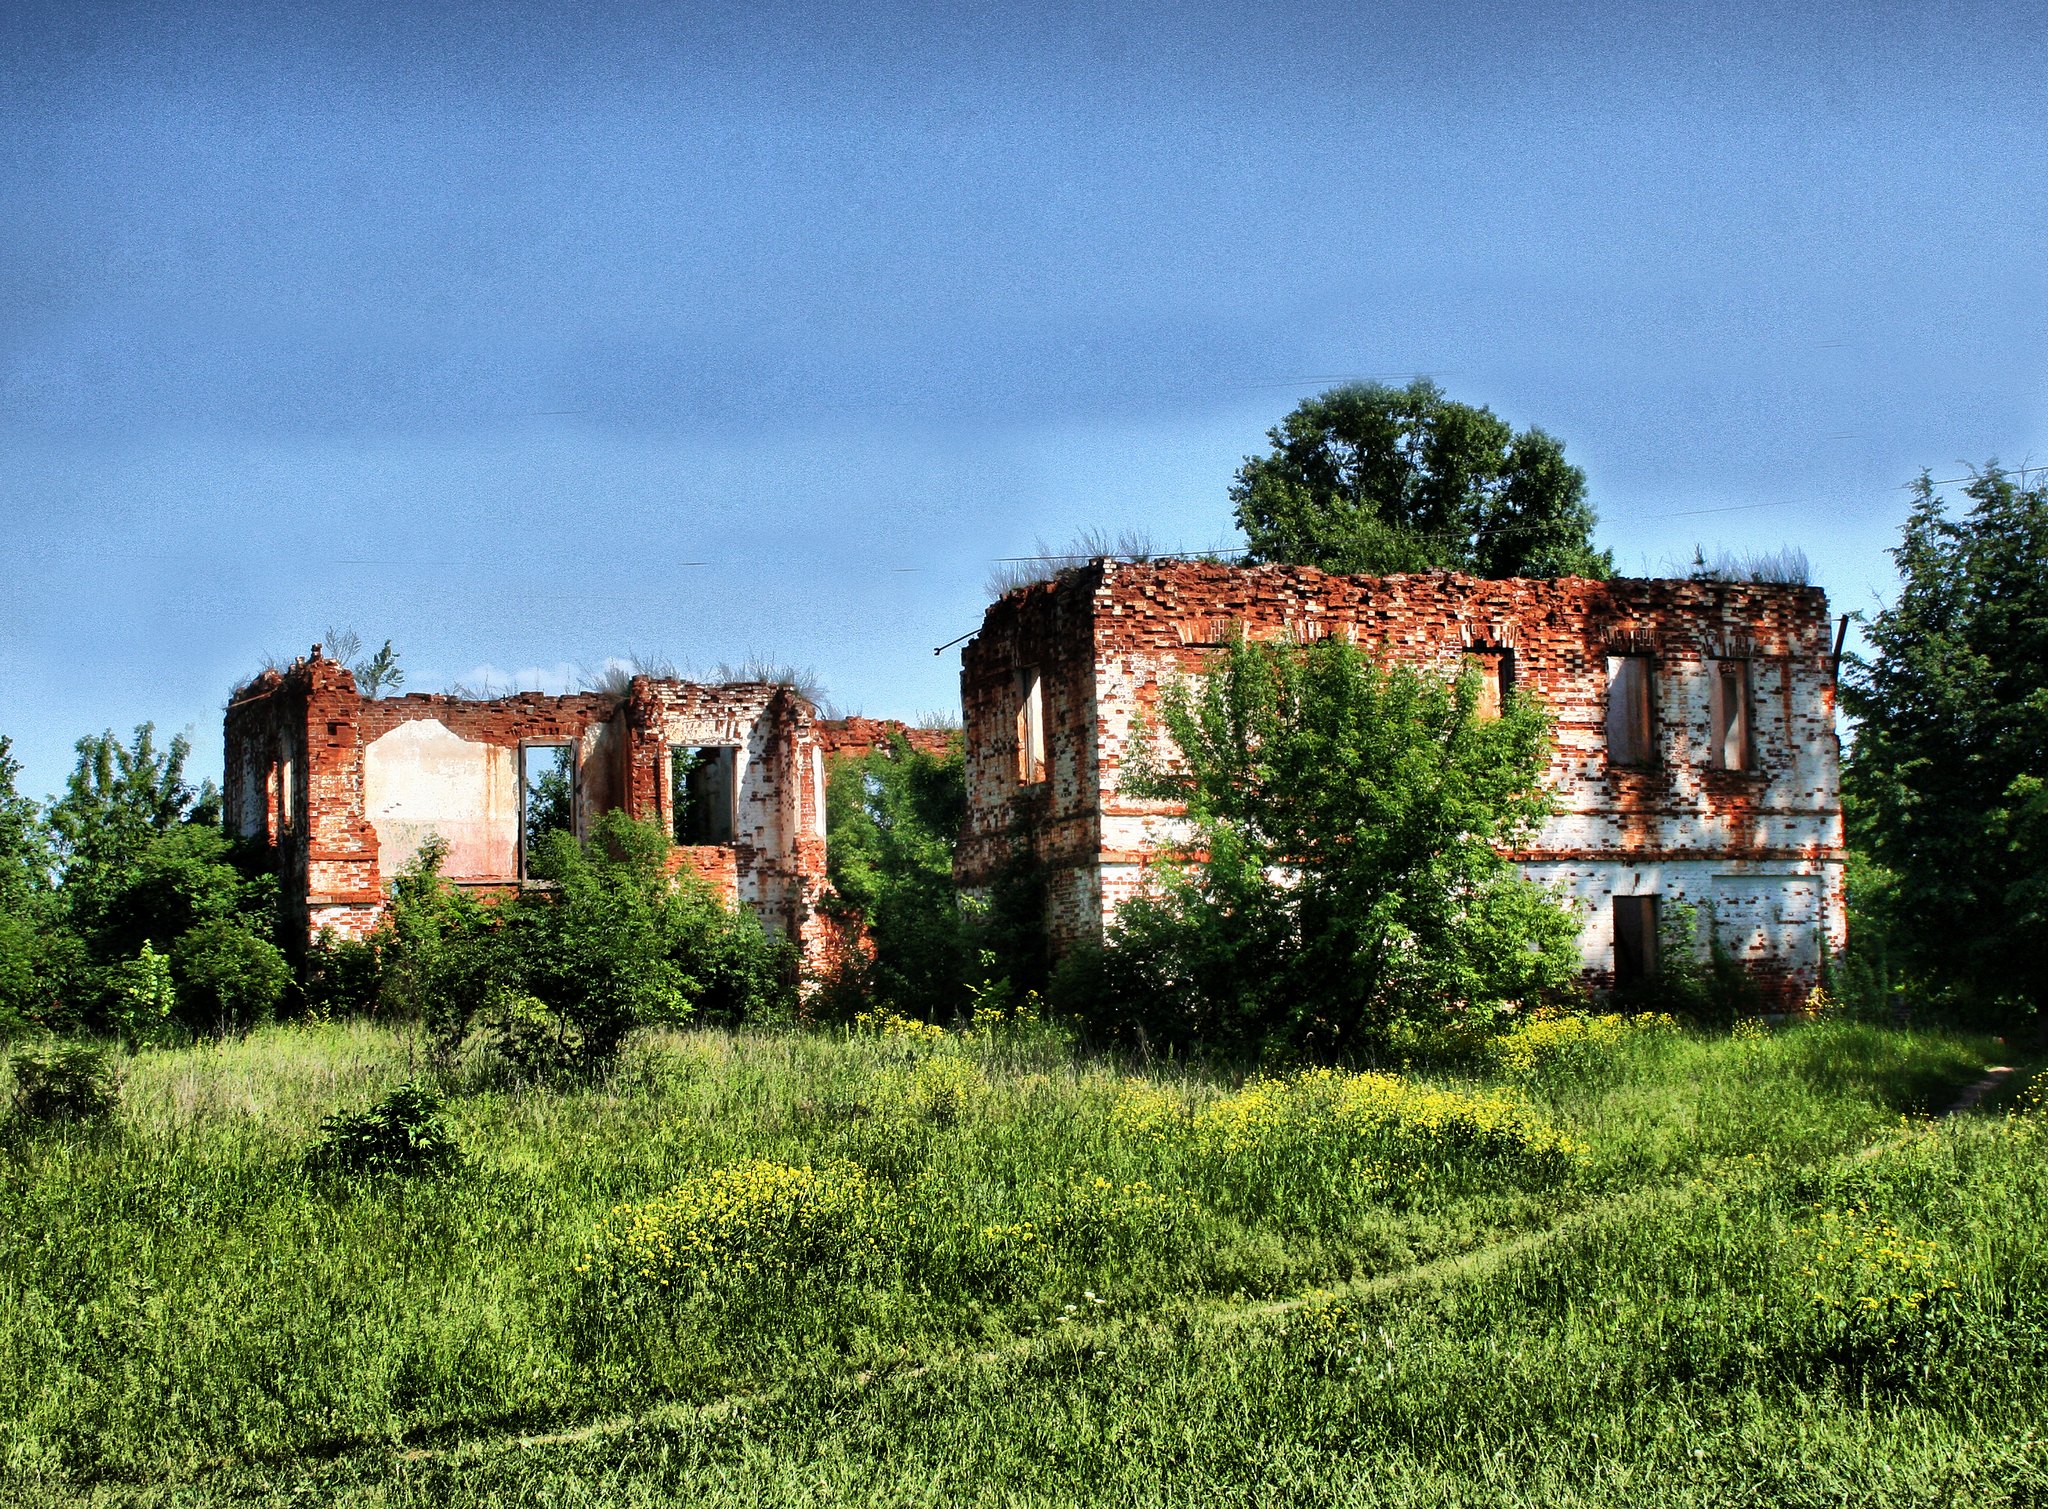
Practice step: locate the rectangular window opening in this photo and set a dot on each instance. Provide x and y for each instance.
(287, 798)
(1728, 716)
(702, 792)
(547, 798)
(1635, 939)
(1496, 679)
(1031, 730)
(1631, 711)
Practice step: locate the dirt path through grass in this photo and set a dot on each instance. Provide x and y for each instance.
(1210, 1315)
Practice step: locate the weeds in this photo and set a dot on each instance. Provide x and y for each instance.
(762, 1213)
(402, 1133)
(60, 1083)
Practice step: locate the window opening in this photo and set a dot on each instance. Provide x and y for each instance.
(547, 798)
(701, 792)
(1031, 730)
(1728, 717)
(1635, 939)
(1631, 714)
(287, 821)
(1496, 679)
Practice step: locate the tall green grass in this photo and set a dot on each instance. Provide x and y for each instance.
(189, 1305)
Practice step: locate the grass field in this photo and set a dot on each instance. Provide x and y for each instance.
(798, 1267)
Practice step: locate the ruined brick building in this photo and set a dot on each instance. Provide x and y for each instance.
(344, 789)
(1695, 755)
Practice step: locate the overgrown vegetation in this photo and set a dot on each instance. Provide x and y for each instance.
(549, 982)
(1341, 868)
(124, 909)
(893, 816)
(935, 1248)
(924, 951)
(1944, 783)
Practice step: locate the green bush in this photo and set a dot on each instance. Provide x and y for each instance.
(343, 977)
(1342, 870)
(530, 1038)
(552, 980)
(401, 1134)
(434, 948)
(65, 1082)
(38, 964)
(144, 997)
(228, 979)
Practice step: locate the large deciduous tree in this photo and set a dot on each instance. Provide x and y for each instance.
(1375, 479)
(1947, 779)
(1341, 868)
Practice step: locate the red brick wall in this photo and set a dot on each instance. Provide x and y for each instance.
(1106, 634)
(328, 861)
(860, 735)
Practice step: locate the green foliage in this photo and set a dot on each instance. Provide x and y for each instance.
(228, 979)
(141, 861)
(892, 818)
(1341, 870)
(35, 950)
(620, 941)
(1374, 479)
(1026, 1258)
(144, 997)
(60, 1082)
(554, 978)
(161, 884)
(433, 946)
(1944, 781)
(401, 1134)
(342, 977)
(25, 856)
(119, 794)
(550, 800)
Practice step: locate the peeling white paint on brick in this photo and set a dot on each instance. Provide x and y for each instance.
(1105, 636)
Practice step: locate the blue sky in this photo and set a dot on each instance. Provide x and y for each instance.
(528, 336)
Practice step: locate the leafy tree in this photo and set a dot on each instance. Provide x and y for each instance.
(893, 816)
(119, 795)
(34, 951)
(1375, 479)
(1341, 869)
(25, 857)
(166, 884)
(143, 863)
(1947, 781)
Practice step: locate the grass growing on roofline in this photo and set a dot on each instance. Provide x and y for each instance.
(1056, 1240)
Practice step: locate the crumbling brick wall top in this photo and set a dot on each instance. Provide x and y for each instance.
(857, 735)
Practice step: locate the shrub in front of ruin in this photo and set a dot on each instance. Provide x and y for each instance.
(59, 1084)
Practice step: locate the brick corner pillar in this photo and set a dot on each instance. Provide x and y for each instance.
(343, 882)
